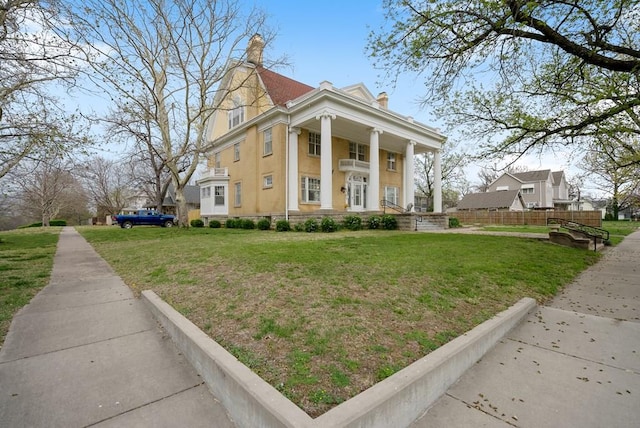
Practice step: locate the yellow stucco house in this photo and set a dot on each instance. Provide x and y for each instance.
(281, 148)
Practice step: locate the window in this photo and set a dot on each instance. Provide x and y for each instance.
(527, 190)
(218, 199)
(216, 158)
(357, 151)
(501, 188)
(391, 161)
(236, 114)
(267, 182)
(236, 152)
(391, 195)
(310, 189)
(314, 144)
(268, 146)
(205, 192)
(238, 196)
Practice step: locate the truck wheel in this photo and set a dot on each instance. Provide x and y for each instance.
(127, 225)
(168, 223)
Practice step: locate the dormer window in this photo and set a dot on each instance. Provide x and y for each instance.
(236, 115)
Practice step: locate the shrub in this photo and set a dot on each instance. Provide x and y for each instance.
(454, 222)
(389, 222)
(247, 223)
(299, 227)
(264, 224)
(283, 226)
(51, 223)
(352, 222)
(215, 224)
(232, 223)
(311, 225)
(328, 224)
(374, 222)
(196, 222)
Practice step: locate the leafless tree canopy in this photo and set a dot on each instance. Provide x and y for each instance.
(161, 62)
(32, 60)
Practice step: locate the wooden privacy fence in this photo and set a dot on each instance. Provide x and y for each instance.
(533, 218)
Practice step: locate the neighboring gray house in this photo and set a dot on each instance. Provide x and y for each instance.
(191, 194)
(503, 200)
(540, 189)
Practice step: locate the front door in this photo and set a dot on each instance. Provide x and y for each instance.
(357, 193)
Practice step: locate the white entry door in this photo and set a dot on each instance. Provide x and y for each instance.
(357, 193)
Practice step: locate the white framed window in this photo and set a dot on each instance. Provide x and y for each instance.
(218, 199)
(238, 194)
(236, 114)
(216, 160)
(391, 161)
(391, 194)
(527, 189)
(357, 151)
(310, 189)
(267, 181)
(314, 144)
(205, 192)
(236, 152)
(501, 188)
(268, 144)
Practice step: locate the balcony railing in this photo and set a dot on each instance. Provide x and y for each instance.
(215, 173)
(353, 165)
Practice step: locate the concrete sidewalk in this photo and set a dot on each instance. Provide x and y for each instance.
(85, 352)
(572, 363)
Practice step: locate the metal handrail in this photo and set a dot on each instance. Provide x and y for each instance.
(385, 203)
(594, 232)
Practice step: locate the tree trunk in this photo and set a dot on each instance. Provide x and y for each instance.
(182, 211)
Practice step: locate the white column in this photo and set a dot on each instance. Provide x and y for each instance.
(373, 191)
(437, 182)
(294, 180)
(409, 181)
(326, 179)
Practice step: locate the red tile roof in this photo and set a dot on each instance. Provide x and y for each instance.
(280, 88)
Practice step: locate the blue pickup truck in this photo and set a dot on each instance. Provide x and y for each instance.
(144, 218)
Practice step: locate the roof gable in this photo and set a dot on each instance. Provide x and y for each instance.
(360, 91)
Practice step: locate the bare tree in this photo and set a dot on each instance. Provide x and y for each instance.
(602, 168)
(33, 60)
(107, 185)
(162, 61)
(44, 187)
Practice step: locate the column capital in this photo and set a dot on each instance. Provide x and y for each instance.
(295, 130)
(412, 142)
(327, 114)
(376, 130)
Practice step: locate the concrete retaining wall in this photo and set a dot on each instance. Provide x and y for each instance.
(395, 402)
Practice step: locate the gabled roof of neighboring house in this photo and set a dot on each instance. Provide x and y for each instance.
(557, 177)
(530, 176)
(191, 194)
(489, 200)
(280, 88)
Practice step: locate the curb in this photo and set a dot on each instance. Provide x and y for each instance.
(396, 401)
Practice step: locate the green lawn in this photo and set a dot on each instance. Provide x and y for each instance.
(324, 316)
(26, 259)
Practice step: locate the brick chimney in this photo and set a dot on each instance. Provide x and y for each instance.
(383, 100)
(254, 49)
